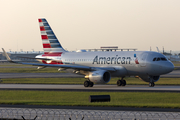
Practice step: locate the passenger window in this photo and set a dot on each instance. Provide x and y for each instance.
(158, 59)
(154, 59)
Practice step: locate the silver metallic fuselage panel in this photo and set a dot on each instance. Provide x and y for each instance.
(125, 63)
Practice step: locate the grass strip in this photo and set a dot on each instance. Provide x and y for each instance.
(118, 99)
(129, 81)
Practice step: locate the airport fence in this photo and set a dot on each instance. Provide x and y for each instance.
(69, 114)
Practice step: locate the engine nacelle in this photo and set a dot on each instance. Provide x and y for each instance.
(100, 77)
(149, 78)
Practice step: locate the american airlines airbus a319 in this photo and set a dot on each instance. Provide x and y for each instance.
(99, 66)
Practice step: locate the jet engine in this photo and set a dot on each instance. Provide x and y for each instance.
(149, 78)
(100, 77)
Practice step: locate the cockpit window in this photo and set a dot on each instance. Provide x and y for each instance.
(158, 59)
(154, 59)
(163, 59)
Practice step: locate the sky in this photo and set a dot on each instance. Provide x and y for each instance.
(90, 24)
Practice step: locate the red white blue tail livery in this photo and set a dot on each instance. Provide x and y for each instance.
(49, 39)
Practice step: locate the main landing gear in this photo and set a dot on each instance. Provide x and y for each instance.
(151, 84)
(88, 84)
(121, 82)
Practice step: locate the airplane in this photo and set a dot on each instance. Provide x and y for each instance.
(99, 66)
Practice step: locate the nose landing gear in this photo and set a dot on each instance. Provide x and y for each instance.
(151, 84)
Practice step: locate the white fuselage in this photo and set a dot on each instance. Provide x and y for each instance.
(126, 63)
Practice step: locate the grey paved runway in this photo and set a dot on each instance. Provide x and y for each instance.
(127, 88)
(174, 74)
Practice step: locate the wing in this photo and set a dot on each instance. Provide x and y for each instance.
(70, 66)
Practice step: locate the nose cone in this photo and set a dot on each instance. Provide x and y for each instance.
(169, 67)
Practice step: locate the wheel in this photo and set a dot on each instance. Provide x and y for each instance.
(91, 84)
(151, 84)
(86, 83)
(123, 82)
(119, 83)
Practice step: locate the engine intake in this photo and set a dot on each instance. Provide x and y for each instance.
(100, 77)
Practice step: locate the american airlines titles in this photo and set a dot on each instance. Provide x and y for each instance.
(112, 60)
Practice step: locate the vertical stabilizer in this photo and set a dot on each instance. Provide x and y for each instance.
(50, 43)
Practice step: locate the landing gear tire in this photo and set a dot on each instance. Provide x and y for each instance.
(123, 83)
(151, 84)
(91, 84)
(86, 83)
(119, 83)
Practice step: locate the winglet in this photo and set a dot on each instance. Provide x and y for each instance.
(7, 56)
(158, 49)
